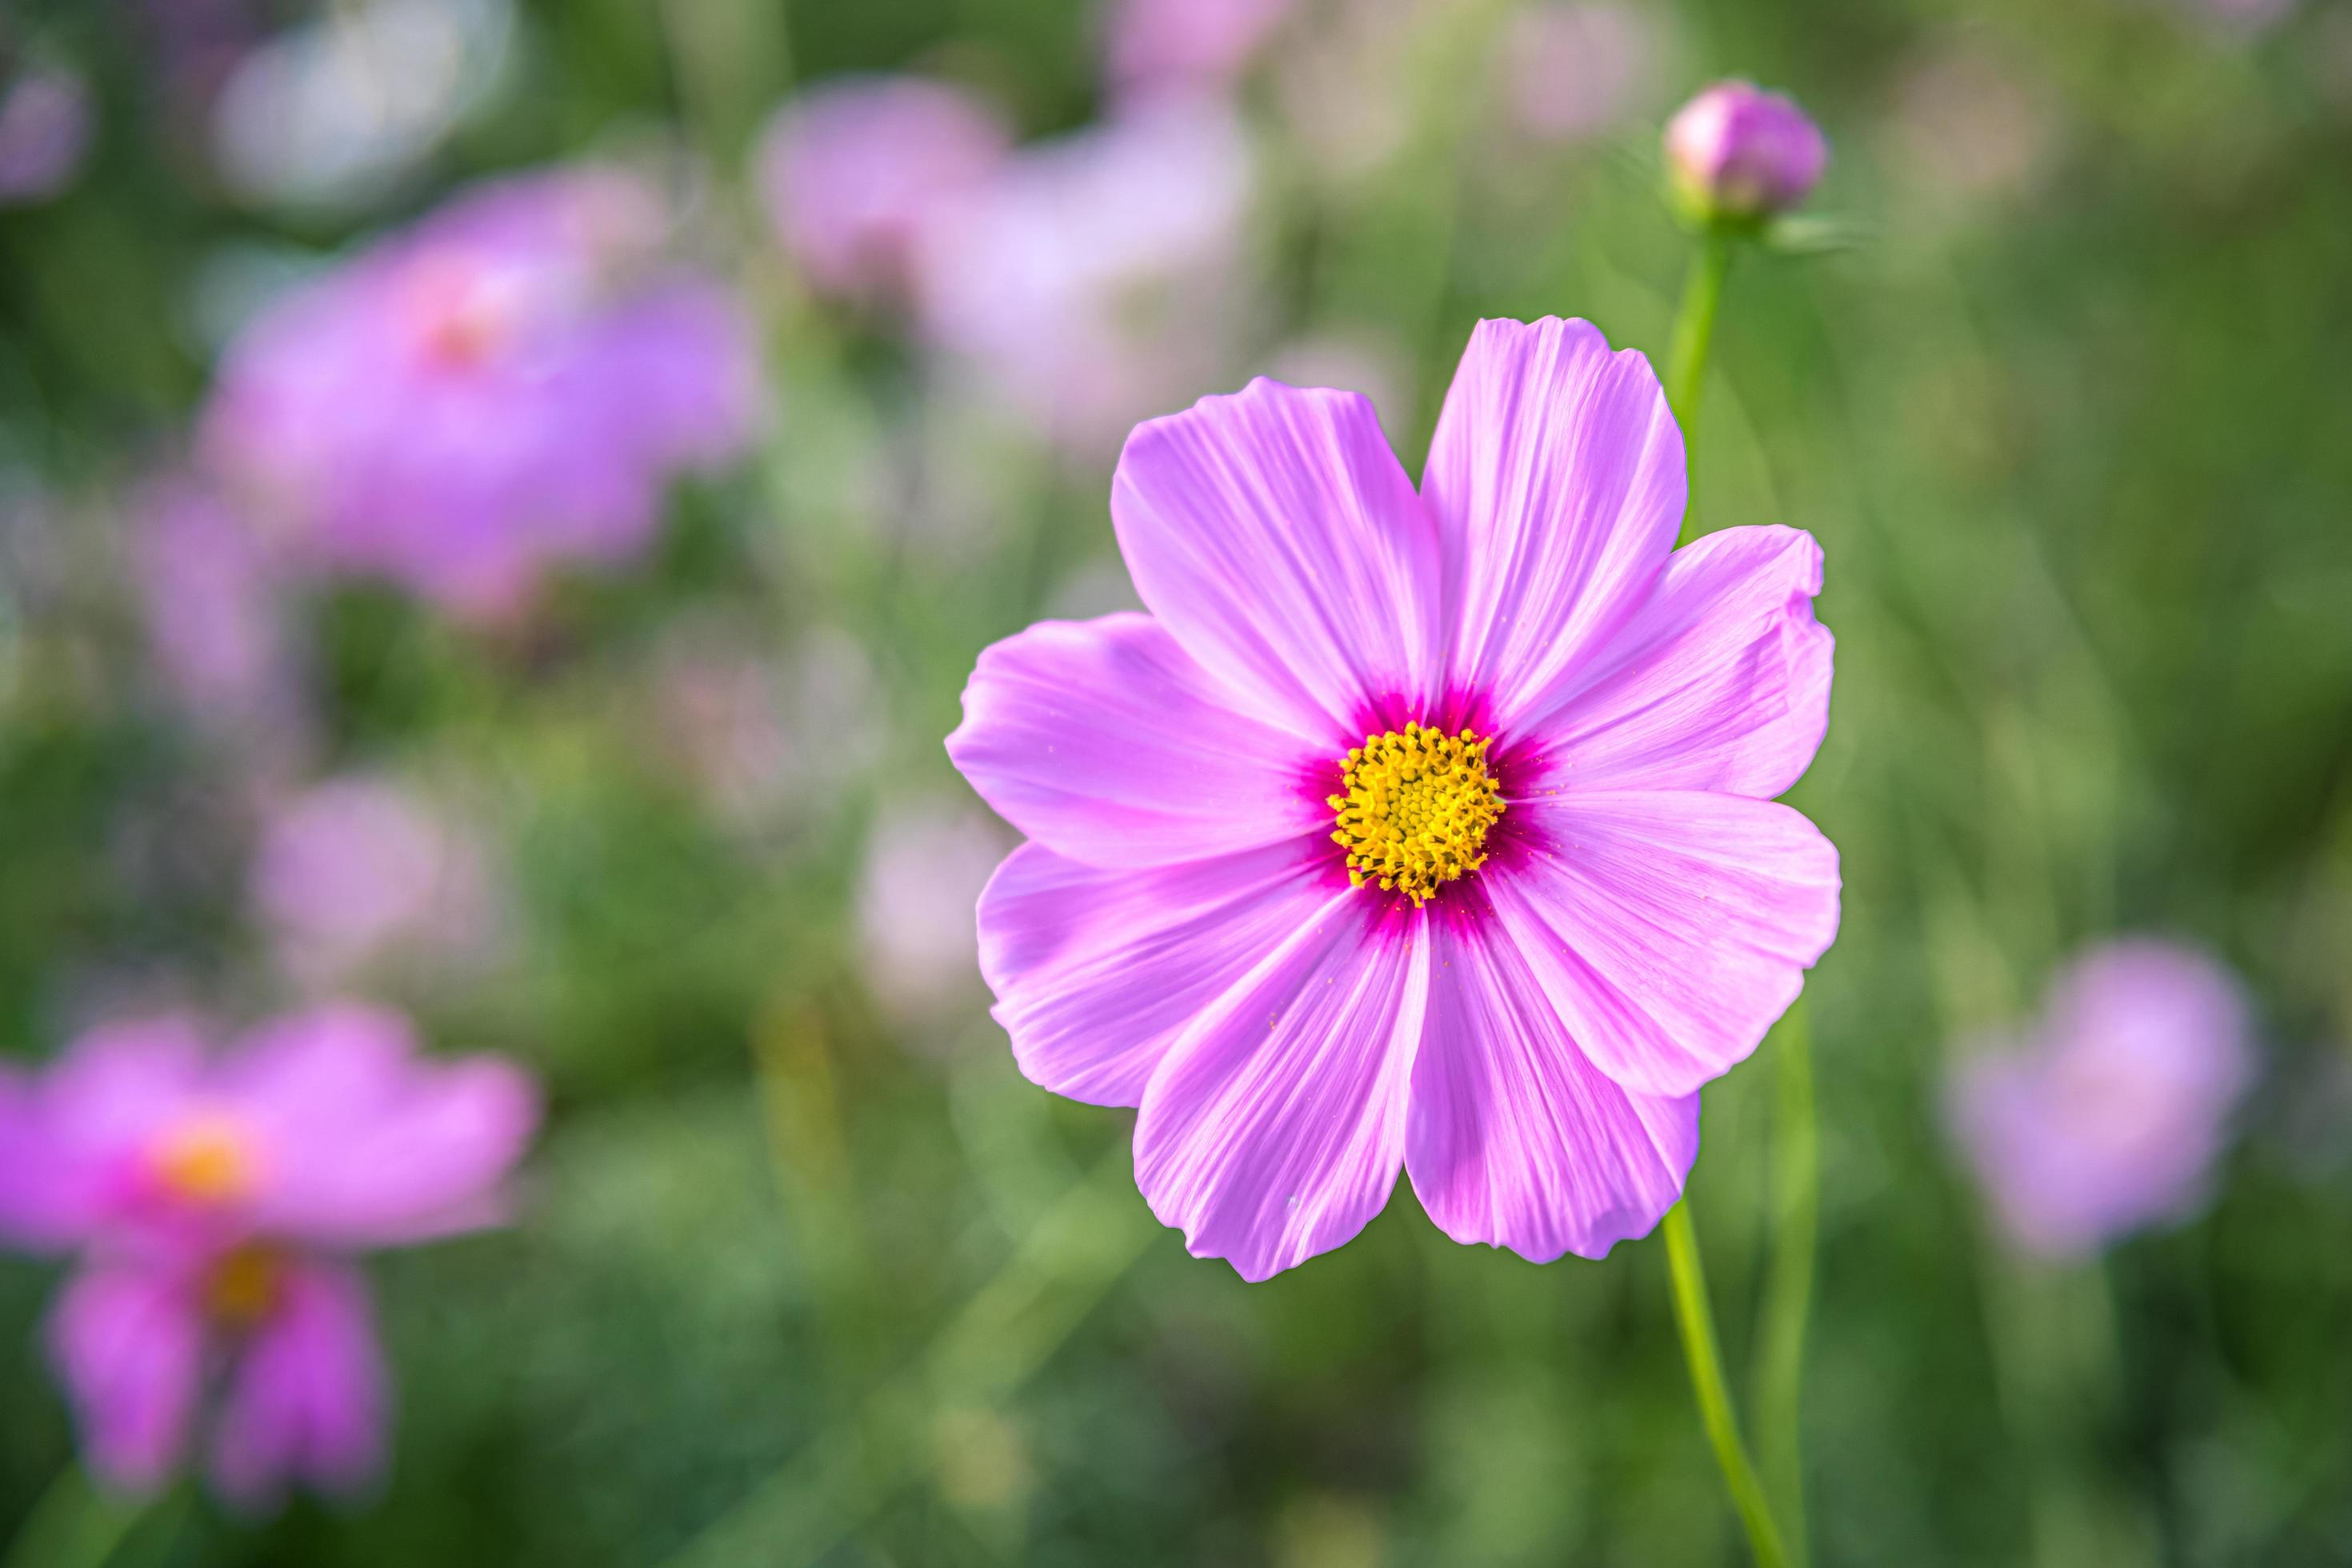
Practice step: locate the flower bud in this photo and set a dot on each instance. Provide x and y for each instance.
(1738, 153)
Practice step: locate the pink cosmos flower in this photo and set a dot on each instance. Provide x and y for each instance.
(510, 385)
(853, 169)
(215, 1203)
(1735, 151)
(2111, 1116)
(1426, 831)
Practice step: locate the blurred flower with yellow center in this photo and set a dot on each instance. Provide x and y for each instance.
(1415, 808)
(207, 1159)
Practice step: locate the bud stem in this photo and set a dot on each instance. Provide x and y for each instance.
(1693, 334)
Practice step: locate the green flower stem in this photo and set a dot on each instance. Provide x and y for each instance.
(73, 1526)
(1788, 1285)
(1696, 1321)
(1788, 1289)
(1694, 334)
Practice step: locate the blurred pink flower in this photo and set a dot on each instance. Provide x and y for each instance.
(1575, 70)
(358, 870)
(2109, 1116)
(853, 168)
(1347, 89)
(925, 867)
(510, 385)
(1969, 126)
(1185, 46)
(1738, 151)
(1091, 279)
(209, 586)
(1422, 831)
(45, 126)
(215, 1203)
(761, 737)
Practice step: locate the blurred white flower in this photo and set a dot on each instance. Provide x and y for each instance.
(332, 112)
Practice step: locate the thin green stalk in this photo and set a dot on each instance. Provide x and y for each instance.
(73, 1526)
(1696, 1321)
(1694, 335)
(1788, 1285)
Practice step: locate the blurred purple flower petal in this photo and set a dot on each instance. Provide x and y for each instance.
(213, 1198)
(358, 869)
(1185, 46)
(510, 385)
(128, 1345)
(851, 169)
(2110, 1115)
(44, 131)
(1091, 281)
(310, 1397)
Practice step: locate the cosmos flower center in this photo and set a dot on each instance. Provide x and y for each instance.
(1415, 808)
(242, 1288)
(207, 1160)
(463, 313)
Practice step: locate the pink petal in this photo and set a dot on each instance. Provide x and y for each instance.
(1273, 533)
(128, 1343)
(1274, 1127)
(369, 1143)
(1096, 972)
(1516, 1139)
(1556, 477)
(1721, 681)
(1104, 739)
(306, 1400)
(1669, 928)
(80, 1130)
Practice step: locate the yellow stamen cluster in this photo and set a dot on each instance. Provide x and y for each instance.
(1415, 809)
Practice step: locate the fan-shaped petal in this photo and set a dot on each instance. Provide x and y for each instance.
(1105, 741)
(1274, 1128)
(1516, 1140)
(1669, 928)
(1275, 535)
(1556, 480)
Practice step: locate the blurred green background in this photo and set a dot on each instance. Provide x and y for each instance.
(807, 1273)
